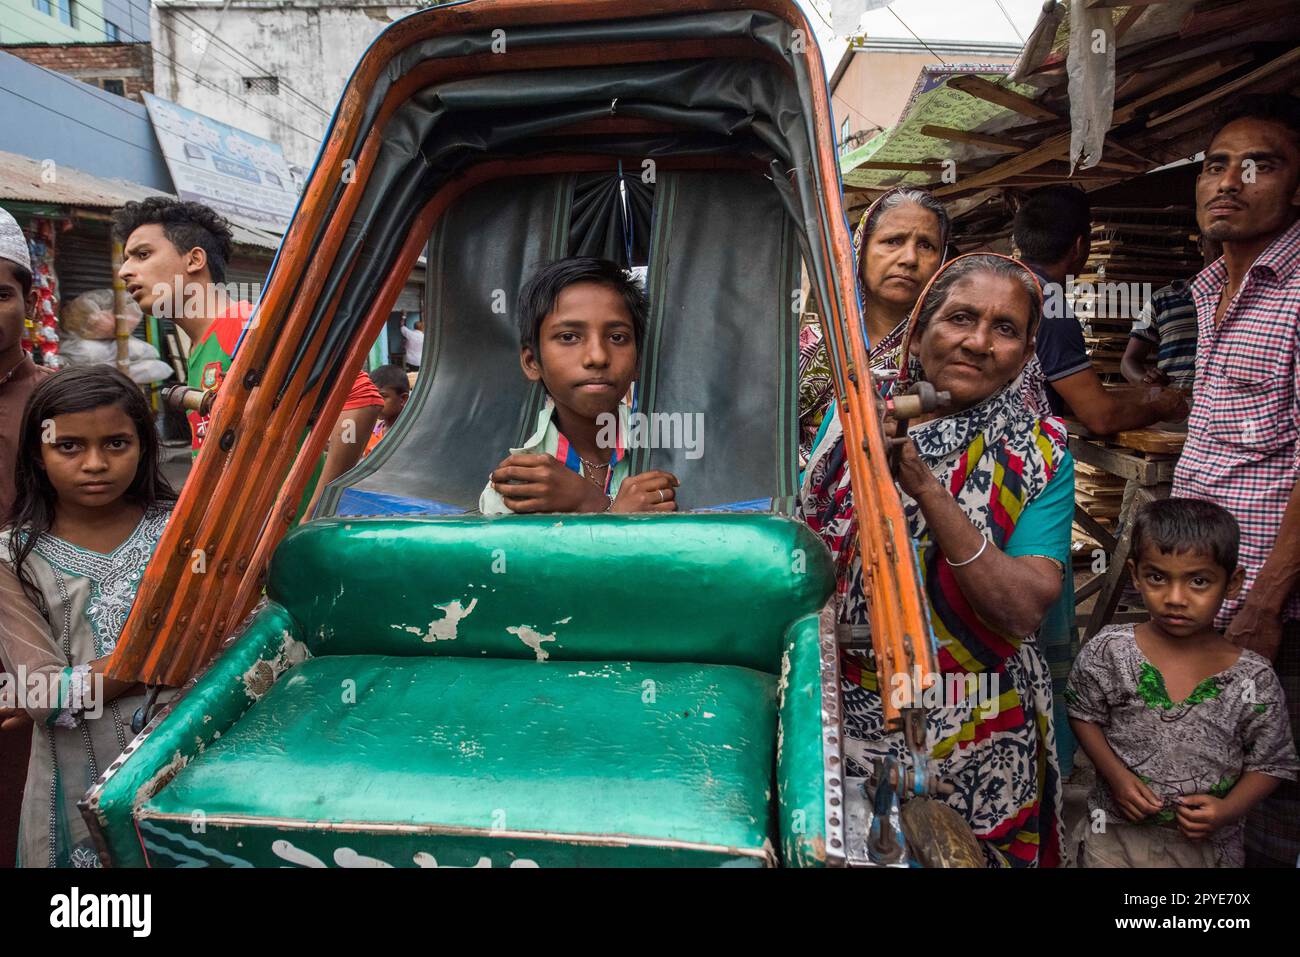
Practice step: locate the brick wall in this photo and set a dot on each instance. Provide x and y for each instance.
(132, 63)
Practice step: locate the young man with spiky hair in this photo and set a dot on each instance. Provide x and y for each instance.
(175, 256)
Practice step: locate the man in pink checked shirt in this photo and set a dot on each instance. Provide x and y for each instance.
(1243, 444)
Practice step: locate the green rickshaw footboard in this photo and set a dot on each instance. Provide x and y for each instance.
(371, 761)
(181, 731)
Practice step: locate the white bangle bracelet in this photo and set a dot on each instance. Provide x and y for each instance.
(952, 564)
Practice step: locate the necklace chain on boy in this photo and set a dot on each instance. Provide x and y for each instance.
(595, 467)
(11, 372)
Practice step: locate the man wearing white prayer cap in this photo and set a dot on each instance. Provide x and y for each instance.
(18, 377)
(18, 374)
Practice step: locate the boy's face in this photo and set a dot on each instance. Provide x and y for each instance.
(588, 350)
(394, 403)
(14, 307)
(1182, 590)
(151, 267)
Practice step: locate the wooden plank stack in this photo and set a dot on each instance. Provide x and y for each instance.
(1137, 251)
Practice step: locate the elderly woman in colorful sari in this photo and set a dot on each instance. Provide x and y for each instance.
(987, 489)
(898, 245)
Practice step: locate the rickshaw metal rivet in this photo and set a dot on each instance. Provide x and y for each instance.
(835, 842)
(227, 440)
(242, 564)
(835, 802)
(253, 378)
(835, 782)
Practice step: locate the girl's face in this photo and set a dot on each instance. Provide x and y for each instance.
(91, 457)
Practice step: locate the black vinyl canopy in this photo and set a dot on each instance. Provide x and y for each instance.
(709, 181)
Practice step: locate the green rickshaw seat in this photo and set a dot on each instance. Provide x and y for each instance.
(510, 761)
(455, 692)
(708, 588)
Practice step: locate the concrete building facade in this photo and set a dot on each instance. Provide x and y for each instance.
(273, 67)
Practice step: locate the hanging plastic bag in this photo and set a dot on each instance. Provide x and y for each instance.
(1090, 66)
(91, 315)
(143, 362)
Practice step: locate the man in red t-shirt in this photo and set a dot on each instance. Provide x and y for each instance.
(174, 255)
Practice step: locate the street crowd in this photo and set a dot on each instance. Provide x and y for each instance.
(1189, 718)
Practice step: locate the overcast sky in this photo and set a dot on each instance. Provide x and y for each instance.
(936, 20)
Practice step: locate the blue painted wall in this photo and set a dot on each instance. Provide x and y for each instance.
(46, 115)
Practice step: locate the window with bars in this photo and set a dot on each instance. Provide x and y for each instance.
(261, 84)
(114, 86)
(112, 32)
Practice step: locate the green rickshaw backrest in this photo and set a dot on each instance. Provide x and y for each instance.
(706, 588)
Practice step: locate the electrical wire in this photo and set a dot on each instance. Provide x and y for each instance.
(1019, 35)
(75, 120)
(109, 97)
(918, 39)
(265, 71)
(190, 74)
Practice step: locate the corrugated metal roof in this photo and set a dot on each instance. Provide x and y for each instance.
(27, 180)
(31, 181)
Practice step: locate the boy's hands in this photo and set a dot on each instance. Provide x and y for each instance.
(648, 492)
(545, 485)
(1200, 815)
(1133, 797)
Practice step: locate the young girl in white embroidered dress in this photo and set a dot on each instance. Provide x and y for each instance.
(91, 506)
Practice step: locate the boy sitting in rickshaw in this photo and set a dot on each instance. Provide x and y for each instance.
(581, 323)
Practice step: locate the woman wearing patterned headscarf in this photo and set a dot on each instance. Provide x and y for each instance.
(898, 245)
(988, 493)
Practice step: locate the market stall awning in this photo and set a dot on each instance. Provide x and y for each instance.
(33, 182)
(905, 154)
(27, 180)
(970, 134)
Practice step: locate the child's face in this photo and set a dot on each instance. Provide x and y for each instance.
(14, 306)
(394, 403)
(91, 457)
(1182, 590)
(588, 350)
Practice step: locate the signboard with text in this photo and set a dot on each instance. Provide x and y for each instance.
(243, 177)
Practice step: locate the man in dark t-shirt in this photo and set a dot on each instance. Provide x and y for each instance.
(1053, 236)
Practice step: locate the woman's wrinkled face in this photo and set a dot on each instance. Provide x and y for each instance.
(977, 340)
(901, 255)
